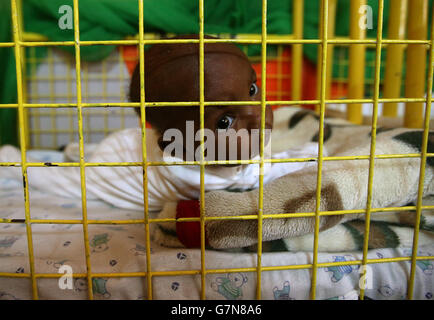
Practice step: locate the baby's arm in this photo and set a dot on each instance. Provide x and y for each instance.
(121, 186)
(61, 181)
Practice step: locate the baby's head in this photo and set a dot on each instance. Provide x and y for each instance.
(172, 75)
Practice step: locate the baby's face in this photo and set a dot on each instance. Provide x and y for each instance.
(231, 78)
(227, 77)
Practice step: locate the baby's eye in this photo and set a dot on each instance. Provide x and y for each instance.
(253, 89)
(225, 122)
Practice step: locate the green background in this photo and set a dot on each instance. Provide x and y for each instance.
(116, 19)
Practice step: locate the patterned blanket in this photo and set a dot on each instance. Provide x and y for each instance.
(344, 187)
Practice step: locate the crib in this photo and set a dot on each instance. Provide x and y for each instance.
(61, 99)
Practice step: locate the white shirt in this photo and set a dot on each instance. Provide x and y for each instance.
(123, 186)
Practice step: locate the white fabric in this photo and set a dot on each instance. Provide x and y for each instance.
(123, 186)
(122, 248)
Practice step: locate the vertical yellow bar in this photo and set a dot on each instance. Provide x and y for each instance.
(104, 95)
(342, 80)
(81, 147)
(25, 99)
(279, 75)
(50, 61)
(331, 4)
(121, 87)
(395, 56)
(23, 129)
(202, 147)
(262, 144)
(144, 151)
(373, 139)
(422, 166)
(323, 95)
(416, 62)
(297, 51)
(35, 114)
(24, 71)
(88, 135)
(69, 112)
(356, 68)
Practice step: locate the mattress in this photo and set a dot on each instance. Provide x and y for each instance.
(121, 248)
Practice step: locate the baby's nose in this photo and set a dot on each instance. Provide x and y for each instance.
(253, 118)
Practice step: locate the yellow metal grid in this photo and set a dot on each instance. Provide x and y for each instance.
(424, 147)
(18, 44)
(373, 136)
(397, 28)
(149, 272)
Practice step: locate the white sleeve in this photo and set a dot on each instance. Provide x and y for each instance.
(120, 186)
(123, 186)
(61, 181)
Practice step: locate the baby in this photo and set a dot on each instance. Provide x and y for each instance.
(172, 75)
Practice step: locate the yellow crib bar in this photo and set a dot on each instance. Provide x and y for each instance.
(422, 168)
(416, 62)
(145, 163)
(356, 71)
(415, 92)
(20, 22)
(297, 51)
(81, 147)
(395, 56)
(325, 58)
(373, 140)
(262, 147)
(331, 13)
(23, 133)
(202, 147)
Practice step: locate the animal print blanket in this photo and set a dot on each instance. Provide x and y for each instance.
(344, 187)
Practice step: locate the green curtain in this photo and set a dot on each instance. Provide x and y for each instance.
(115, 19)
(8, 87)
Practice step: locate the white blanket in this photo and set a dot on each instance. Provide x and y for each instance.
(121, 248)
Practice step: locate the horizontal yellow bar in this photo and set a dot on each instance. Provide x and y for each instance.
(209, 103)
(359, 262)
(89, 221)
(160, 41)
(94, 275)
(56, 131)
(285, 40)
(14, 275)
(67, 112)
(222, 37)
(220, 162)
(63, 96)
(152, 37)
(297, 215)
(374, 42)
(55, 78)
(214, 271)
(46, 43)
(242, 217)
(7, 44)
